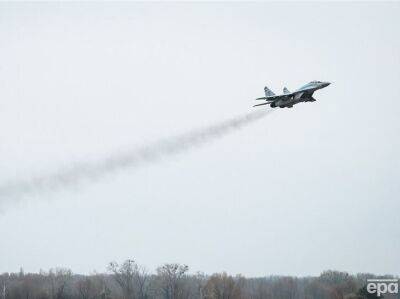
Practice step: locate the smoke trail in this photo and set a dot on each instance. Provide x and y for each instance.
(82, 171)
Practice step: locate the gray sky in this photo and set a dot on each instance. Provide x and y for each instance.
(300, 191)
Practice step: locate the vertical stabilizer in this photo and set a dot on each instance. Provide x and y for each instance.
(285, 90)
(268, 92)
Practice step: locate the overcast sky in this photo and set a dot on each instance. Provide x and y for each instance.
(300, 191)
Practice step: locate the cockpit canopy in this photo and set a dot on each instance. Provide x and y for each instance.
(315, 82)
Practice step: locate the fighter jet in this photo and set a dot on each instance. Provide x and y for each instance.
(288, 99)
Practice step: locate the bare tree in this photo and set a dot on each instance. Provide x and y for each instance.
(87, 288)
(285, 287)
(223, 286)
(4, 280)
(141, 282)
(171, 277)
(132, 278)
(59, 279)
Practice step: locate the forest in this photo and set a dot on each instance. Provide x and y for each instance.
(129, 280)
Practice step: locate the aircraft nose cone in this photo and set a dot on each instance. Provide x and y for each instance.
(325, 84)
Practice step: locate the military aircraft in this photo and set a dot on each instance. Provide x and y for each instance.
(288, 99)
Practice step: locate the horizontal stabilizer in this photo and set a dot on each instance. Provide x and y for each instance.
(268, 92)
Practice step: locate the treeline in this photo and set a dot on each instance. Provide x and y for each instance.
(172, 281)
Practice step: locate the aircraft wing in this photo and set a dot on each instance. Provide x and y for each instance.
(275, 98)
(271, 99)
(264, 99)
(261, 104)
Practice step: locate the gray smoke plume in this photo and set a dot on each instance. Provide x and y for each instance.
(81, 172)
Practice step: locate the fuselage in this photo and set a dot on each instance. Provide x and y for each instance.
(303, 94)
